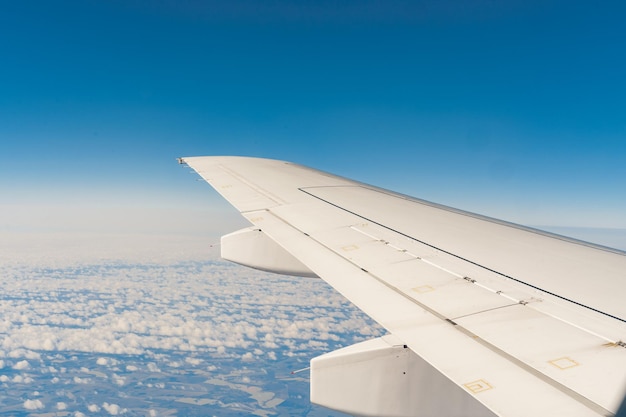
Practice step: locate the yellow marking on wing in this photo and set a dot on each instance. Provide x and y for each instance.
(478, 386)
(423, 288)
(563, 363)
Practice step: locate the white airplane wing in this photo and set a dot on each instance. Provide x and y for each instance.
(485, 317)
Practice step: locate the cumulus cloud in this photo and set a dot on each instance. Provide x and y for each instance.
(33, 404)
(21, 365)
(79, 380)
(118, 380)
(61, 406)
(141, 317)
(24, 353)
(114, 409)
(21, 379)
(192, 361)
(77, 320)
(152, 367)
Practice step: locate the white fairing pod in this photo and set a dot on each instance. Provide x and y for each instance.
(253, 248)
(380, 377)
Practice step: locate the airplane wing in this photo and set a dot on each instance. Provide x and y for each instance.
(485, 317)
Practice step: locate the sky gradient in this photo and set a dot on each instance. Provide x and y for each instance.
(512, 109)
(515, 110)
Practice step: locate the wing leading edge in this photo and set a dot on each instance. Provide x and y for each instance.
(503, 319)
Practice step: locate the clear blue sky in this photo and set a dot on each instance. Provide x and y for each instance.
(514, 109)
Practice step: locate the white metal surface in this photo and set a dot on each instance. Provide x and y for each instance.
(253, 248)
(382, 377)
(527, 323)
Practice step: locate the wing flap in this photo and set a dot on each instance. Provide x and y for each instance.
(576, 360)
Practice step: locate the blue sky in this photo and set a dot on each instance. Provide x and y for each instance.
(512, 109)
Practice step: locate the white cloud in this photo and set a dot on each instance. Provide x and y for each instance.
(61, 406)
(21, 365)
(114, 409)
(146, 313)
(149, 309)
(33, 404)
(192, 361)
(48, 344)
(79, 380)
(21, 379)
(181, 318)
(24, 353)
(118, 380)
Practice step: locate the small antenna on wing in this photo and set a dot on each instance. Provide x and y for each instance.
(300, 370)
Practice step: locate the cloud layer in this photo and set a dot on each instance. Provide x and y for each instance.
(224, 332)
